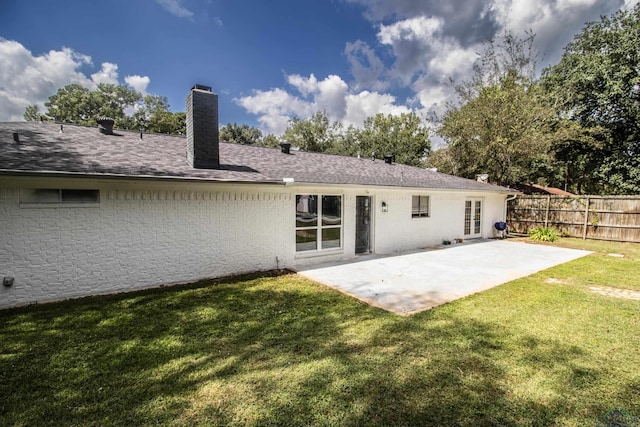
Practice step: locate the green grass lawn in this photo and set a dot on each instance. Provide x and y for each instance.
(286, 351)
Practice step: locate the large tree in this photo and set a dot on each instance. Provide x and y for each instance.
(77, 104)
(317, 134)
(32, 113)
(153, 115)
(405, 137)
(504, 122)
(240, 134)
(598, 84)
(130, 110)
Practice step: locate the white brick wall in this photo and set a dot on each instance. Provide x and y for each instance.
(395, 230)
(140, 238)
(149, 234)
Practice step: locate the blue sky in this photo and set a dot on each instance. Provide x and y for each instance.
(271, 60)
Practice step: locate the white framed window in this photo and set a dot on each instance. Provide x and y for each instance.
(420, 206)
(318, 222)
(58, 197)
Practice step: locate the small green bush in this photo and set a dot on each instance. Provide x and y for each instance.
(543, 234)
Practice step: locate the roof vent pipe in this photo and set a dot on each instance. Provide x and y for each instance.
(285, 147)
(388, 159)
(16, 137)
(105, 125)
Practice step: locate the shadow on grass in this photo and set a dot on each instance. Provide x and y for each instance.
(265, 350)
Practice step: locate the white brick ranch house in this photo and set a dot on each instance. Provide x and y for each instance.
(87, 211)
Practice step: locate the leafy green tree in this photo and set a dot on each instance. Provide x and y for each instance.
(32, 113)
(76, 104)
(269, 140)
(113, 100)
(317, 134)
(505, 131)
(405, 137)
(504, 125)
(240, 134)
(348, 143)
(73, 104)
(444, 161)
(578, 152)
(154, 116)
(598, 83)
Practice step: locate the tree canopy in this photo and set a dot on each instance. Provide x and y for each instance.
(240, 134)
(317, 134)
(77, 104)
(504, 124)
(130, 110)
(404, 136)
(597, 84)
(32, 113)
(577, 125)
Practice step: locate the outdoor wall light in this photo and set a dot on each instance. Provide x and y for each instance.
(385, 208)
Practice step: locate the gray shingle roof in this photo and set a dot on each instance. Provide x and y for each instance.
(83, 150)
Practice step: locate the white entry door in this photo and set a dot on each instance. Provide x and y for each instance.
(472, 218)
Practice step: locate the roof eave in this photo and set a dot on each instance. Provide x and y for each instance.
(55, 174)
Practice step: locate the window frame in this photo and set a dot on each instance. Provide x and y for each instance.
(319, 227)
(421, 212)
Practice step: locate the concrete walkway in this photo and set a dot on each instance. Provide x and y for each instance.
(417, 281)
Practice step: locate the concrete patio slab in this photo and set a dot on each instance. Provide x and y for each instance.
(412, 282)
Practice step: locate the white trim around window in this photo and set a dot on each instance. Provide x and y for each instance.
(318, 222)
(420, 206)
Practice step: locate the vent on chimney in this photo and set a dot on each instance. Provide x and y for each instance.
(285, 147)
(105, 125)
(388, 159)
(203, 150)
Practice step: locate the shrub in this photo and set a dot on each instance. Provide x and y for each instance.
(543, 234)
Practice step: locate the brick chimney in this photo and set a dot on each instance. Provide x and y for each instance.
(202, 128)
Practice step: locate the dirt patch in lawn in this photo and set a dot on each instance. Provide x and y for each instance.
(616, 292)
(604, 290)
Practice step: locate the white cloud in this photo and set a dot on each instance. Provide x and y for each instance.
(419, 28)
(366, 104)
(275, 107)
(630, 4)
(553, 22)
(108, 74)
(424, 48)
(137, 82)
(175, 8)
(304, 85)
(366, 67)
(27, 79)
(412, 42)
(327, 95)
(451, 60)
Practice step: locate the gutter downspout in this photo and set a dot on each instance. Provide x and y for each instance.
(507, 200)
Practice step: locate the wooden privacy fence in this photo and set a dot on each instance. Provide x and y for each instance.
(615, 218)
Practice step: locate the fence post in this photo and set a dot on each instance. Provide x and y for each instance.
(586, 220)
(546, 213)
